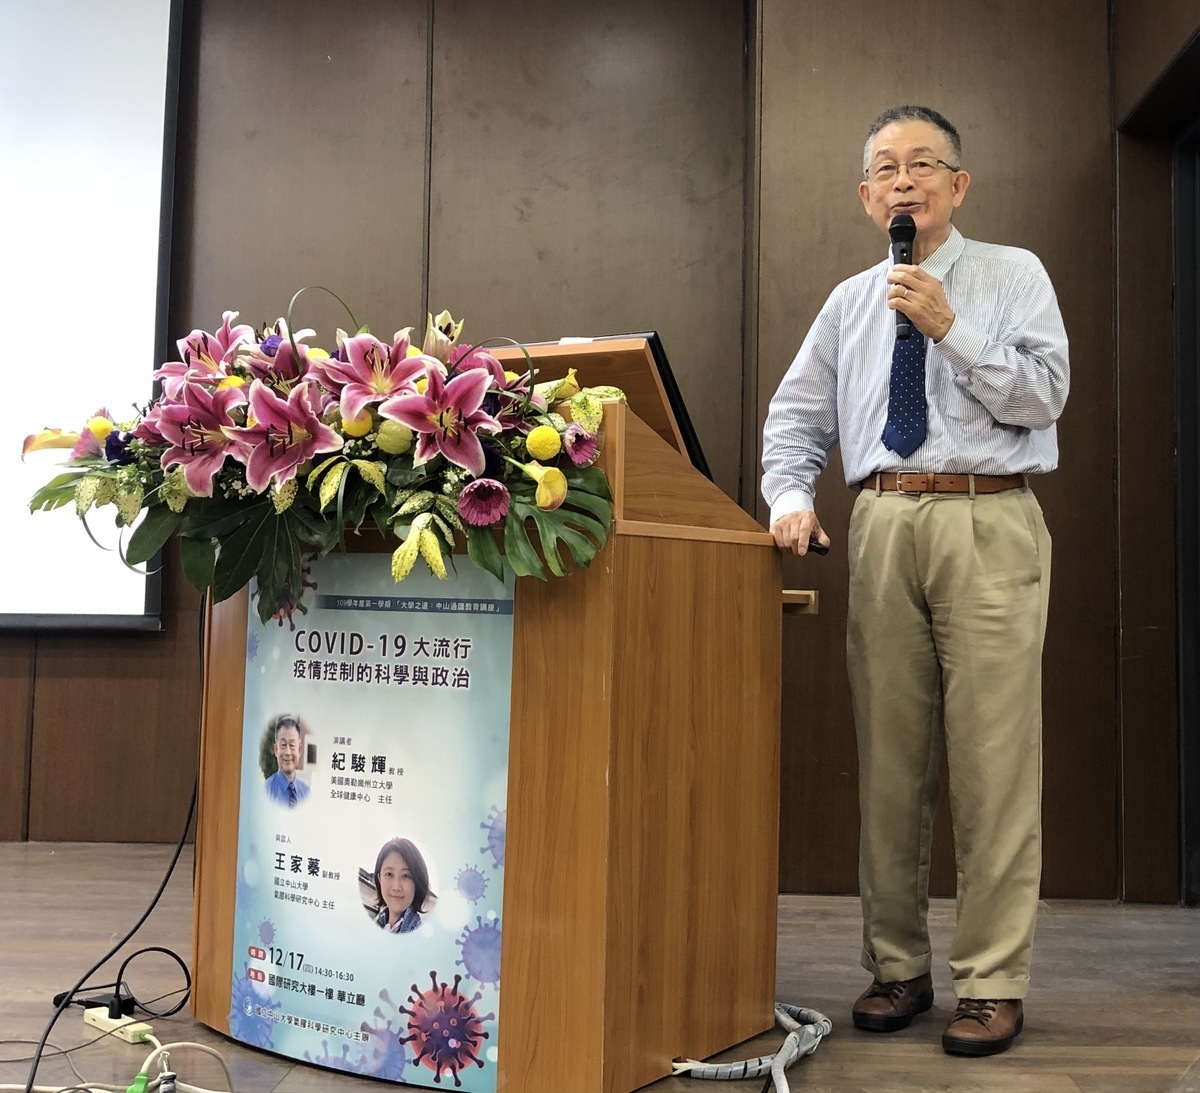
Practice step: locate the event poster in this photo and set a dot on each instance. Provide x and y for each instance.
(372, 828)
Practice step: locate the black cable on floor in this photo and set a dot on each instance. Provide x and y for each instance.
(67, 998)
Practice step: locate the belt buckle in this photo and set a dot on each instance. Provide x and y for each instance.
(913, 482)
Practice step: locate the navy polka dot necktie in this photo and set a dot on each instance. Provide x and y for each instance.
(904, 432)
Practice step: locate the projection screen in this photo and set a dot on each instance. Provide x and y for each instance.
(88, 96)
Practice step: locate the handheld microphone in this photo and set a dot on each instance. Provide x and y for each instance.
(903, 230)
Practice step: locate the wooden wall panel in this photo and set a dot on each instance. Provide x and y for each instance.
(17, 653)
(1146, 39)
(587, 179)
(302, 162)
(116, 727)
(1026, 85)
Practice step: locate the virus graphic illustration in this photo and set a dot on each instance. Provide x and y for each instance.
(471, 883)
(288, 602)
(266, 932)
(244, 886)
(327, 1058)
(245, 1023)
(495, 825)
(445, 1028)
(251, 645)
(481, 951)
(384, 1055)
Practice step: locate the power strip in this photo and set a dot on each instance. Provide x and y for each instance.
(124, 1028)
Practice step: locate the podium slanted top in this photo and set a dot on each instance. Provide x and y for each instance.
(660, 483)
(626, 362)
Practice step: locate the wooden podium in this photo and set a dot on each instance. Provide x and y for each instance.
(641, 871)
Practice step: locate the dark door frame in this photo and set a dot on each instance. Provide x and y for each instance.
(1186, 220)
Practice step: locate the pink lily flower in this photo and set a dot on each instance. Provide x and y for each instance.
(147, 430)
(447, 418)
(372, 371)
(285, 433)
(282, 369)
(195, 428)
(204, 356)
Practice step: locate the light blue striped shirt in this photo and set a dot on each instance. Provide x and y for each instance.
(995, 384)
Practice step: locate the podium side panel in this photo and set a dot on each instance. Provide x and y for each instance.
(217, 824)
(693, 852)
(659, 485)
(552, 1000)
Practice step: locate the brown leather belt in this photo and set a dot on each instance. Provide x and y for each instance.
(942, 483)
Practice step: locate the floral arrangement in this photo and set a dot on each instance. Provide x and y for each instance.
(260, 446)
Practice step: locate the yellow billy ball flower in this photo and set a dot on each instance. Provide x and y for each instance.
(232, 381)
(511, 377)
(100, 427)
(316, 351)
(543, 442)
(393, 437)
(421, 384)
(360, 426)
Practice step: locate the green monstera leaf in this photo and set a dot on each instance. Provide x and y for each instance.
(581, 525)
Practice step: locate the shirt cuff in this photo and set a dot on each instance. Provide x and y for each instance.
(962, 346)
(791, 501)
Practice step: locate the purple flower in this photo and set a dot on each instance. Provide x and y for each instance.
(116, 448)
(285, 433)
(447, 418)
(581, 445)
(483, 502)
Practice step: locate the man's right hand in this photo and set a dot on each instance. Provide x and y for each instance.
(794, 530)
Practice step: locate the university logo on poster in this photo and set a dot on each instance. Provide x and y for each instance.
(372, 828)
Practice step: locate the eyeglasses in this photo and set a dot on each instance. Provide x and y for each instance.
(918, 169)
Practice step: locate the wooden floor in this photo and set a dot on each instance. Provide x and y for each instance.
(1115, 1006)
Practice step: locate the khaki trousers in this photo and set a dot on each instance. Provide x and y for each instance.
(947, 615)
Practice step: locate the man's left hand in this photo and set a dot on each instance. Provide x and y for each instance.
(921, 298)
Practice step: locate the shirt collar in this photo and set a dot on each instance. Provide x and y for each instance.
(939, 262)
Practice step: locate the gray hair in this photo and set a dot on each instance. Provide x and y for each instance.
(913, 113)
(286, 721)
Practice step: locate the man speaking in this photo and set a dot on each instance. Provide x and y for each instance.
(941, 377)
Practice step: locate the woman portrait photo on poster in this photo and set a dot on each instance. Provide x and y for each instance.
(402, 892)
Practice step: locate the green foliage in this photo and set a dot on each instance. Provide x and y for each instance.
(580, 524)
(59, 491)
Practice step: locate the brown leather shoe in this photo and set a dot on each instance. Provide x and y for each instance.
(886, 1007)
(983, 1026)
